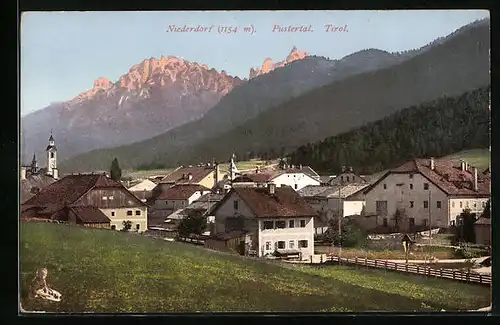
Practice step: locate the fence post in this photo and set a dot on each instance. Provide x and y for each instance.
(375, 263)
(366, 263)
(480, 278)
(453, 274)
(468, 276)
(311, 259)
(418, 271)
(356, 260)
(406, 267)
(321, 258)
(385, 263)
(440, 272)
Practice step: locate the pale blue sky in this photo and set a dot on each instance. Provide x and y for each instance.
(62, 53)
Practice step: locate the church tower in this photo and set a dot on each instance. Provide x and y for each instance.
(34, 165)
(52, 158)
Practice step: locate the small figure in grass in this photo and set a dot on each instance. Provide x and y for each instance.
(40, 289)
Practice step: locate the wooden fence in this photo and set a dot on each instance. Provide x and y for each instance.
(457, 275)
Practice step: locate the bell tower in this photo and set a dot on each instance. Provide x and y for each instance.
(52, 157)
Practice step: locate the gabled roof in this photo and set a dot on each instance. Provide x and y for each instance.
(180, 176)
(90, 214)
(346, 190)
(285, 202)
(253, 178)
(69, 189)
(178, 192)
(144, 185)
(451, 179)
(306, 170)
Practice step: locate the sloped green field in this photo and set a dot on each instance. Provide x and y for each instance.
(106, 271)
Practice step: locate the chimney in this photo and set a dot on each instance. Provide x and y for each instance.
(475, 178)
(190, 176)
(272, 188)
(343, 169)
(432, 163)
(217, 173)
(350, 169)
(300, 166)
(23, 173)
(292, 166)
(462, 165)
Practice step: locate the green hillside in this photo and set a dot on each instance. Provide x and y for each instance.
(105, 271)
(480, 158)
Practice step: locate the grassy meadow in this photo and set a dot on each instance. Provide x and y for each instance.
(481, 158)
(106, 271)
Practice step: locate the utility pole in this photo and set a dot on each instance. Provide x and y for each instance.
(430, 220)
(340, 214)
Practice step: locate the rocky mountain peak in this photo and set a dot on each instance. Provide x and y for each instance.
(268, 64)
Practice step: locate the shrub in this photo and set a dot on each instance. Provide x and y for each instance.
(127, 225)
(351, 234)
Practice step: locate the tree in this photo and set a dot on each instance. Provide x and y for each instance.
(466, 227)
(351, 234)
(116, 171)
(192, 224)
(127, 225)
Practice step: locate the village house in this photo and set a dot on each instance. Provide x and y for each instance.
(272, 218)
(427, 192)
(207, 175)
(88, 199)
(202, 206)
(347, 176)
(297, 177)
(330, 201)
(143, 189)
(166, 199)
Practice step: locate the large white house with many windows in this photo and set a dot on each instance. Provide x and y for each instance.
(276, 219)
(429, 192)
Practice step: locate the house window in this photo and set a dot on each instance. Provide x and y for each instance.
(438, 204)
(466, 204)
(302, 223)
(268, 224)
(235, 204)
(411, 204)
(104, 198)
(166, 202)
(385, 222)
(112, 213)
(129, 212)
(381, 208)
(452, 204)
(426, 204)
(291, 223)
(341, 178)
(113, 227)
(385, 186)
(295, 186)
(137, 226)
(291, 244)
(460, 204)
(425, 222)
(280, 224)
(281, 244)
(302, 243)
(452, 222)
(268, 245)
(110, 197)
(411, 186)
(51, 155)
(475, 205)
(347, 178)
(426, 186)
(137, 212)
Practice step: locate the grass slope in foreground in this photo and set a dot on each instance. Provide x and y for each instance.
(105, 271)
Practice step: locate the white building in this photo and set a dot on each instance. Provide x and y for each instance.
(428, 191)
(166, 199)
(143, 189)
(275, 219)
(330, 201)
(295, 177)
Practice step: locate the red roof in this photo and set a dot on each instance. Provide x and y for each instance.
(285, 202)
(181, 175)
(90, 215)
(447, 175)
(253, 178)
(178, 192)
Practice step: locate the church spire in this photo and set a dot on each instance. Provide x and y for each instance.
(33, 161)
